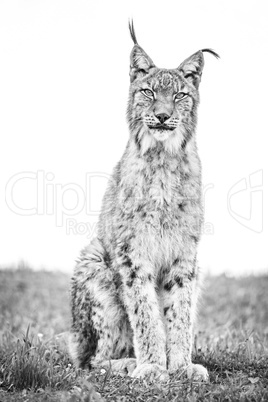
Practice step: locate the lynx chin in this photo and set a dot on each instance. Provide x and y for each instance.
(135, 287)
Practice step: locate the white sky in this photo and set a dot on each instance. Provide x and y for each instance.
(63, 92)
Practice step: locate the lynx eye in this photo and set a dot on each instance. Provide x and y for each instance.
(179, 96)
(148, 93)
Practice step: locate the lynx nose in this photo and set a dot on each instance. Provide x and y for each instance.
(162, 117)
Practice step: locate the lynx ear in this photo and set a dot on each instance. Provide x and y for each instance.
(192, 68)
(140, 62)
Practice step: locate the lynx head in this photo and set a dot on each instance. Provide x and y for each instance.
(163, 103)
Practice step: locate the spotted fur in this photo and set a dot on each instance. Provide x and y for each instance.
(135, 286)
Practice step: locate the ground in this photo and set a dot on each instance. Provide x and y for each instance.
(231, 341)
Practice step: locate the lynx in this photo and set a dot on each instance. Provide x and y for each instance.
(135, 287)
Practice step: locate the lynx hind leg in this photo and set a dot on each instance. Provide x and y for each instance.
(100, 329)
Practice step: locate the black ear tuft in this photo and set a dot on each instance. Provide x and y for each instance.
(212, 52)
(132, 32)
(140, 62)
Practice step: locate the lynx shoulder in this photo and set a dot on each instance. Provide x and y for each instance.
(135, 287)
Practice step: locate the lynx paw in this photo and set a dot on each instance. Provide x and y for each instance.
(197, 372)
(123, 366)
(127, 366)
(152, 372)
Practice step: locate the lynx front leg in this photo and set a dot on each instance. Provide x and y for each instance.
(144, 314)
(179, 294)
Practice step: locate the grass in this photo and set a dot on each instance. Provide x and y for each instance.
(231, 341)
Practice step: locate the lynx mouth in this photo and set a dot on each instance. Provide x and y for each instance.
(161, 127)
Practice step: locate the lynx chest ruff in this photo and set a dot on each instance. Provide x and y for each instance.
(159, 203)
